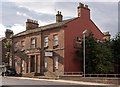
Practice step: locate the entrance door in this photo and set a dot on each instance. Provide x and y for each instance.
(32, 63)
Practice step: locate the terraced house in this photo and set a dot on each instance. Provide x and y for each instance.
(50, 49)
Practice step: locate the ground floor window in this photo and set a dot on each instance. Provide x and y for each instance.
(15, 64)
(55, 63)
(46, 63)
(22, 64)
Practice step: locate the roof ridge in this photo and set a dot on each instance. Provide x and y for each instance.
(46, 27)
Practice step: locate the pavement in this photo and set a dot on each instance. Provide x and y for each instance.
(35, 81)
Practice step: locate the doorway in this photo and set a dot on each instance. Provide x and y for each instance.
(32, 68)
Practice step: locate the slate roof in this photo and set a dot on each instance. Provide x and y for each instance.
(46, 27)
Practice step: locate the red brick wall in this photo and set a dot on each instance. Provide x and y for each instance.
(74, 30)
(58, 51)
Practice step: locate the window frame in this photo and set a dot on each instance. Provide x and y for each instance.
(33, 44)
(55, 62)
(46, 41)
(22, 45)
(55, 40)
(16, 46)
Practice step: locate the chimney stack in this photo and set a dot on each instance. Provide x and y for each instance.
(106, 36)
(83, 11)
(59, 17)
(8, 33)
(31, 24)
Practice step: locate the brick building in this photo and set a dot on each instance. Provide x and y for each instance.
(50, 49)
(3, 50)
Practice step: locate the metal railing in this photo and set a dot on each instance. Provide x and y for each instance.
(72, 73)
(102, 75)
(91, 75)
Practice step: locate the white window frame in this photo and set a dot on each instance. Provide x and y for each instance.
(46, 41)
(55, 40)
(55, 62)
(22, 45)
(15, 62)
(33, 43)
(16, 44)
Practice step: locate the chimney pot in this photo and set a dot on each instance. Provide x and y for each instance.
(59, 17)
(81, 5)
(86, 6)
(58, 12)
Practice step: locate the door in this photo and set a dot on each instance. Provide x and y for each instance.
(32, 63)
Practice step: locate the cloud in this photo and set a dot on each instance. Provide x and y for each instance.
(62, 0)
(18, 28)
(2, 30)
(22, 14)
(104, 14)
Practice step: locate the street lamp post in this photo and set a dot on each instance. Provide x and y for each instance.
(84, 32)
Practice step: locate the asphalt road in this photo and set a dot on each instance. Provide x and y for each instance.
(12, 82)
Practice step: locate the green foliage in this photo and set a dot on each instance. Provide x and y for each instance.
(5, 64)
(98, 56)
(7, 44)
(7, 55)
(115, 46)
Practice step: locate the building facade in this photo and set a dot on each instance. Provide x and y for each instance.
(50, 49)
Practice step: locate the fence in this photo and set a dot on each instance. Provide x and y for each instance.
(91, 75)
(72, 73)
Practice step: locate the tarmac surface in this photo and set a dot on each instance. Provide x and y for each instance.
(34, 82)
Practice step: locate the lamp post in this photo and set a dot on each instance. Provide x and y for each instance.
(84, 32)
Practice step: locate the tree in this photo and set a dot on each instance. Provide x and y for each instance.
(115, 46)
(98, 56)
(7, 46)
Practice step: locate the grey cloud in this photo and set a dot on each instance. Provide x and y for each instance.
(9, 16)
(104, 14)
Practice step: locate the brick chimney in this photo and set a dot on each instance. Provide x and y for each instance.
(83, 11)
(59, 17)
(106, 36)
(31, 24)
(8, 33)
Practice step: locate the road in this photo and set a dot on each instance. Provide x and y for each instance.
(14, 82)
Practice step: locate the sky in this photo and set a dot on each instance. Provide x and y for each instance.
(14, 13)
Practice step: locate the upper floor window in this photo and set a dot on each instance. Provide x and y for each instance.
(46, 42)
(33, 43)
(22, 45)
(15, 46)
(55, 40)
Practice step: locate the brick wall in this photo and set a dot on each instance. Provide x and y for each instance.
(26, 55)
